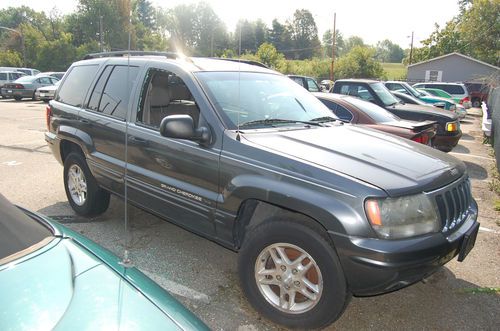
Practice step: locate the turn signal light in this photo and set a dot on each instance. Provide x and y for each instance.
(373, 212)
(452, 126)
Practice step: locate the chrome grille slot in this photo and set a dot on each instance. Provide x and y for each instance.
(453, 202)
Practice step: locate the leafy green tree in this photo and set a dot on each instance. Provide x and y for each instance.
(10, 59)
(328, 40)
(268, 55)
(63, 47)
(145, 13)
(246, 31)
(387, 51)
(350, 43)
(359, 63)
(304, 34)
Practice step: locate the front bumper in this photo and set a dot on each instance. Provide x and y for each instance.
(375, 266)
(447, 140)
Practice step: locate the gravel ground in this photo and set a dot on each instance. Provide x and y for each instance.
(202, 274)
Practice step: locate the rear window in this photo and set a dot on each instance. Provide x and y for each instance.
(111, 93)
(378, 114)
(72, 91)
(452, 89)
(18, 231)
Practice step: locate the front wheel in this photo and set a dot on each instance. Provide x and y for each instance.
(291, 274)
(83, 193)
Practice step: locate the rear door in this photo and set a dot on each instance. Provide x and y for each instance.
(103, 119)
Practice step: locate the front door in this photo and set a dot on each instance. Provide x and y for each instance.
(174, 178)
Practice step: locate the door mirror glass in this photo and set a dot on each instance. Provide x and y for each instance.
(182, 127)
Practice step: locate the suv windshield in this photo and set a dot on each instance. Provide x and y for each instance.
(258, 100)
(18, 232)
(383, 93)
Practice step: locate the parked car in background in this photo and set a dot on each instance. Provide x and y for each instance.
(458, 91)
(404, 87)
(9, 76)
(478, 92)
(308, 83)
(27, 71)
(367, 114)
(54, 278)
(57, 74)
(46, 93)
(435, 91)
(326, 85)
(460, 109)
(26, 86)
(448, 130)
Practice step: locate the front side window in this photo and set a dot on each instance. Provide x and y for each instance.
(257, 100)
(112, 91)
(164, 93)
(312, 86)
(3, 76)
(76, 84)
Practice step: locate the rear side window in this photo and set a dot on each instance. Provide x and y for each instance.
(73, 90)
(338, 110)
(3, 76)
(112, 91)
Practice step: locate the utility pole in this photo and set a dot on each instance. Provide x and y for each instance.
(333, 47)
(100, 34)
(411, 47)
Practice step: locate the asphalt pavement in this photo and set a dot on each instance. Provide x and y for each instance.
(203, 275)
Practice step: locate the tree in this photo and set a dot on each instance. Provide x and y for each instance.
(244, 36)
(145, 13)
(10, 59)
(350, 43)
(304, 34)
(328, 40)
(387, 51)
(474, 32)
(268, 55)
(359, 63)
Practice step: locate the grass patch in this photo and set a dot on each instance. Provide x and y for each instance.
(477, 290)
(395, 71)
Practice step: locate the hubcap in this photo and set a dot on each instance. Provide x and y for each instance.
(77, 185)
(288, 278)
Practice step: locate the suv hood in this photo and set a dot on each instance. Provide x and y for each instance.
(430, 110)
(396, 165)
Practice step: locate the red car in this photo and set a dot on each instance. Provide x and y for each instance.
(360, 112)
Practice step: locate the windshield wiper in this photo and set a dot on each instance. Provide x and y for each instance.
(271, 121)
(325, 119)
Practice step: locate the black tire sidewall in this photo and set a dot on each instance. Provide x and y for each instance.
(334, 296)
(88, 208)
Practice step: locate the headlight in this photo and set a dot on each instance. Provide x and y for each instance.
(402, 217)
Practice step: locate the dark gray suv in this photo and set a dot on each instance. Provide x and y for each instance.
(318, 209)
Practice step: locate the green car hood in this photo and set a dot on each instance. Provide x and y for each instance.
(71, 284)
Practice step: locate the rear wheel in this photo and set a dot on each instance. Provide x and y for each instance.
(291, 274)
(83, 193)
(17, 98)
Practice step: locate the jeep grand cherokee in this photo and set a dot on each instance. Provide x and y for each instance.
(319, 210)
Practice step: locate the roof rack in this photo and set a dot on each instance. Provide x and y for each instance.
(251, 62)
(168, 55)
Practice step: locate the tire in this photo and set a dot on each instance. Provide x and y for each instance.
(261, 249)
(17, 98)
(476, 103)
(83, 193)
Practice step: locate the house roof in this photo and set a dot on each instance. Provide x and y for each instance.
(455, 53)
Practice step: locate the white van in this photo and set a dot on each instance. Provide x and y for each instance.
(458, 91)
(27, 71)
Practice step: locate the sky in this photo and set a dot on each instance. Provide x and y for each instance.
(371, 20)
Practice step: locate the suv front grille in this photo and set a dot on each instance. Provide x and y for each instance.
(453, 203)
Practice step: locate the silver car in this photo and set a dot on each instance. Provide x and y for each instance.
(46, 93)
(26, 86)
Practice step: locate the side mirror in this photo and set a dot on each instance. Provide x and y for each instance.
(182, 127)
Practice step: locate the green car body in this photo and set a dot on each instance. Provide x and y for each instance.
(71, 283)
(439, 93)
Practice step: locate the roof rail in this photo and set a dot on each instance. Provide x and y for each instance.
(168, 55)
(251, 62)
